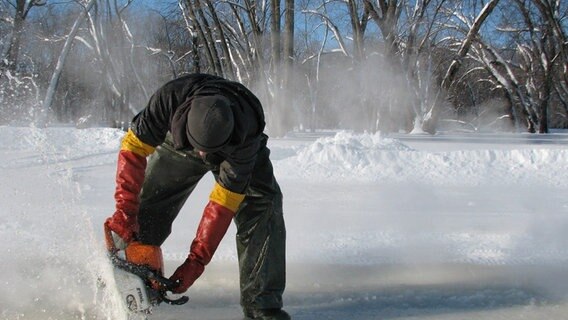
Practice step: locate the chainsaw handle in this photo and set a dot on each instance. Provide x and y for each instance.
(164, 282)
(175, 302)
(168, 285)
(110, 245)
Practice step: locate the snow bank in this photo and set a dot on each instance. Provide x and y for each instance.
(342, 157)
(372, 158)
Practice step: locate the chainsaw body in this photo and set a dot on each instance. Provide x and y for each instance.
(139, 278)
(133, 291)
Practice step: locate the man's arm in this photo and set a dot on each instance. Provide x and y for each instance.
(129, 178)
(215, 221)
(224, 201)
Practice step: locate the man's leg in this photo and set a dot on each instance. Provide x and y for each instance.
(170, 178)
(261, 238)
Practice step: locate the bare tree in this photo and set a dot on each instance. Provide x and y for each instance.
(255, 13)
(195, 34)
(554, 55)
(289, 26)
(112, 45)
(431, 120)
(209, 37)
(386, 14)
(50, 94)
(275, 36)
(223, 41)
(195, 24)
(19, 85)
(357, 64)
(533, 73)
(21, 10)
(418, 44)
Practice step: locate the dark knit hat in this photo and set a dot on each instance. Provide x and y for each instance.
(209, 123)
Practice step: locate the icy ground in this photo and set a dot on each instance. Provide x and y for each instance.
(401, 227)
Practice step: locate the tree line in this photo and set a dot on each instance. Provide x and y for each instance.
(372, 65)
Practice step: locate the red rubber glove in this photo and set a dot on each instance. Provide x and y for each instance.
(212, 228)
(129, 178)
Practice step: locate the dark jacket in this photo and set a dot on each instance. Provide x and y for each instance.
(167, 112)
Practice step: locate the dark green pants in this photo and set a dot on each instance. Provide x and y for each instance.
(172, 175)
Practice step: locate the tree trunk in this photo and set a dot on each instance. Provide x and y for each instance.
(289, 35)
(228, 65)
(195, 58)
(200, 32)
(386, 17)
(50, 94)
(285, 96)
(209, 39)
(431, 121)
(275, 38)
(509, 107)
(11, 60)
(256, 47)
(358, 29)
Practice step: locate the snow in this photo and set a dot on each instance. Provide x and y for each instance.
(379, 227)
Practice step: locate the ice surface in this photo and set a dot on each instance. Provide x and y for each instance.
(379, 227)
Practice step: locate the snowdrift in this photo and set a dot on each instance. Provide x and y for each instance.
(342, 157)
(372, 158)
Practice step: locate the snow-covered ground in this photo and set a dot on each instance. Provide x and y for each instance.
(401, 227)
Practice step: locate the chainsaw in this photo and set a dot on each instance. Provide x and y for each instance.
(140, 286)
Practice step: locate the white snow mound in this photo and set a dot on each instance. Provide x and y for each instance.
(370, 157)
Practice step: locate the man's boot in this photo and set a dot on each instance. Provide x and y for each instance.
(267, 314)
